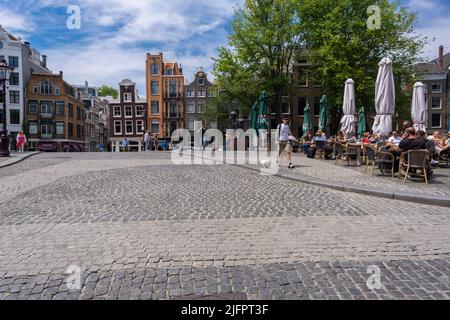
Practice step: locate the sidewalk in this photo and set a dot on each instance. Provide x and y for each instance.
(327, 174)
(15, 157)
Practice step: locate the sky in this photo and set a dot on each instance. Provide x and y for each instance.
(115, 35)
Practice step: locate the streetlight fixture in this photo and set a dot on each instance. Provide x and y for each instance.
(5, 73)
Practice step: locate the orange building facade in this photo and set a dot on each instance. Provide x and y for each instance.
(165, 95)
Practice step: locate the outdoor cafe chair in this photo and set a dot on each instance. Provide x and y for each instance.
(444, 157)
(320, 148)
(346, 152)
(414, 160)
(384, 160)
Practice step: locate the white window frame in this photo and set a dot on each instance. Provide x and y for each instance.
(440, 104)
(139, 107)
(120, 111)
(35, 125)
(46, 107)
(127, 95)
(202, 109)
(128, 108)
(193, 105)
(200, 93)
(203, 80)
(440, 121)
(141, 122)
(190, 93)
(435, 91)
(126, 127)
(115, 127)
(46, 126)
(190, 120)
(151, 107)
(35, 89)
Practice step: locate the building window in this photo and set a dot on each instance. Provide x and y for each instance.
(154, 87)
(14, 96)
(201, 81)
(14, 62)
(46, 108)
(200, 107)
(32, 107)
(46, 87)
(139, 126)
(59, 108)
(78, 131)
(436, 88)
(14, 116)
(168, 72)
(70, 129)
(303, 78)
(190, 124)
(70, 110)
(14, 79)
(190, 108)
(436, 103)
(201, 93)
(190, 93)
(155, 107)
(302, 101)
(425, 88)
(436, 120)
(154, 69)
(32, 127)
(117, 127)
(57, 91)
(139, 111)
(210, 94)
(128, 112)
(59, 128)
(285, 108)
(173, 88)
(316, 106)
(155, 127)
(173, 109)
(46, 129)
(117, 112)
(78, 113)
(128, 127)
(35, 89)
(127, 97)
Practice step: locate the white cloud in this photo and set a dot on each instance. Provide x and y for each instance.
(14, 22)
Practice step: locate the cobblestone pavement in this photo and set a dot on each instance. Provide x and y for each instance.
(139, 227)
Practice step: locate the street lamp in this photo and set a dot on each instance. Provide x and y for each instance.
(5, 73)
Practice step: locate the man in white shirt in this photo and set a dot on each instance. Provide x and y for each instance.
(395, 139)
(283, 138)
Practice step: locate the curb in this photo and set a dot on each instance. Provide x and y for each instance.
(440, 201)
(10, 162)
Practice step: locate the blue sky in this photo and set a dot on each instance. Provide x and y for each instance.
(115, 35)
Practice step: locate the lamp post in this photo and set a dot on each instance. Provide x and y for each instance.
(5, 73)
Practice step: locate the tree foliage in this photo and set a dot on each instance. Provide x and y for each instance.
(105, 91)
(342, 46)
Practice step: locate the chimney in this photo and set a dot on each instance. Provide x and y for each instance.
(61, 74)
(44, 61)
(441, 56)
(27, 44)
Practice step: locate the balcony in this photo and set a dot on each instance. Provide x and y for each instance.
(46, 115)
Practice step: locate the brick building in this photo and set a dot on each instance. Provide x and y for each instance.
(54, 117)
(128, 114)
(436, 77)
(165, 95)
(197, 94)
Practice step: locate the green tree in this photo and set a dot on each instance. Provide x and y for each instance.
(264, 37)
(342, 46)
(108, 91)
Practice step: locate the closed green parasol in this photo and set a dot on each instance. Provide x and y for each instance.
(323, 119)
(307, 121)
(361, 122)
(259, 113)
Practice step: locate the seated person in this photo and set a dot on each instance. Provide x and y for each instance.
(374, 139)
(306, 141)
(394, 139)
(320, 136)
(429, 144)
(447, 143)
(366, 138)
(340, 138)
(410, 142)
(438, 141)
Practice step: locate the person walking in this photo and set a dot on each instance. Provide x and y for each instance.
(147, 141)
(21, 141)
(284, 143)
